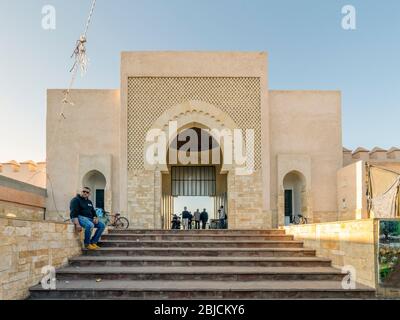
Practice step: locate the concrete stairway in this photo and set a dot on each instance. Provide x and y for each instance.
(200, 264)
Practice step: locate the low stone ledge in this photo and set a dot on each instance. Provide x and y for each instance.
(346, 243)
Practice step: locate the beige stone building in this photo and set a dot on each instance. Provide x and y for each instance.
(28, 172)
(353, 180)
(102, 142)
(201, 125)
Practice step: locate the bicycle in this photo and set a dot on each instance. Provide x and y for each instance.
(299, 219)
(176, 222)
(116, 221)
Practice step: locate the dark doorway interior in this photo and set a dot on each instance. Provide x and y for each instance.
(288, 206)
(100, 199)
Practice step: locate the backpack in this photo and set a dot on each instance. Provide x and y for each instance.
(100, 212)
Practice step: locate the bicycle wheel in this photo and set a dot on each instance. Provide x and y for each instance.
(122, 223)
(296, 220)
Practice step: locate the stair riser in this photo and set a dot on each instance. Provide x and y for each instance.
(186, 254)
(178, 244)
(201, 277)
(117, 237)
(200, 264)
(201, 232)
(209, 295)
(203, 253)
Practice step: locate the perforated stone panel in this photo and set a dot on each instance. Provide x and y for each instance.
(150, 97)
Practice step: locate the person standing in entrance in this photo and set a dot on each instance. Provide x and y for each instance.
(204, 219)
(190, 220)
(84, 216)
(222, 217)
(197, 219)
(185, 218)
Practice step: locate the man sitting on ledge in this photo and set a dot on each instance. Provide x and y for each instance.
(84, 216)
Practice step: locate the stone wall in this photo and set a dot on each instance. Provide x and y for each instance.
(306, 137)
(21, 200)
(245, 202)
(144, 199)
(20, 211)
(352, 190)
(376, 155)
(26, 247)
(28, 172)
(348, 243)
(324, 216)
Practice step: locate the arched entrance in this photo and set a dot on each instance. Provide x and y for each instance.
(231, 177)
(295, 199)
(96, 181)
(192, 181)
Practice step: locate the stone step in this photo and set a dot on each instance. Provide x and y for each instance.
(200, 273)
(213, 290)
(206, 252)
(198, 244)
(192, 237)
(138, 261)
(200, 232)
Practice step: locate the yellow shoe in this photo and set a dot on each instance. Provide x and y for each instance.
(91, 247)
(95, 245)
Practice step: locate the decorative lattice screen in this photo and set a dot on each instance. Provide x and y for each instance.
(150, 97)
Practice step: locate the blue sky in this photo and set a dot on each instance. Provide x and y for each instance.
(307, 49)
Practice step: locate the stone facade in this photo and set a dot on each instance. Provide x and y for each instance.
(26, 247)
(213, 97)
(20, 211)
(306, 139)
(296, 133)
(94, 117)
(245, 202)
(144, 199)
(150, 97)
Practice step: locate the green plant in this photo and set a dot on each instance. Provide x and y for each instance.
(388, 228)
(384, 272)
